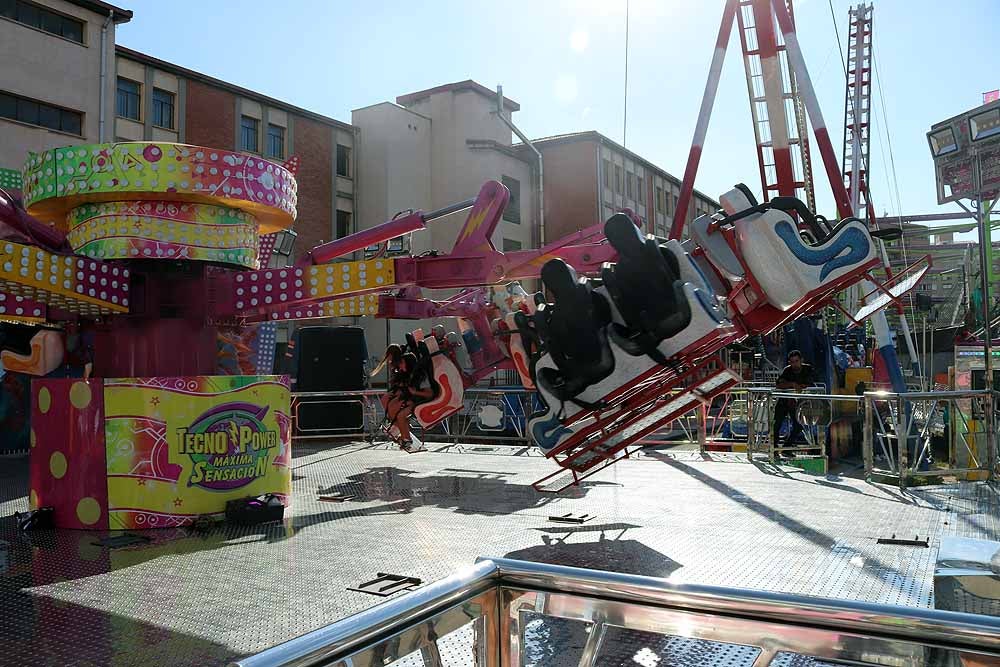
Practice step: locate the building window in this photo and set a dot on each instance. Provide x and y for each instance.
(128, 99)
(641, 191)
(43, 19)
(163, 109)
(249, 134)
(343, 161)
(275, 141)
(668, 203)
(607, 174)
(630, 185)
(659, 200)
(510, 245)
(37, 113)
(343, 224)
(513, 211)
(618, 179)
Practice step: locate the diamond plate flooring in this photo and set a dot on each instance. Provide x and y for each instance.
(203, 598)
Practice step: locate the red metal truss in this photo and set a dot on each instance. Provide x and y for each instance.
(779, 87)
(778, 118)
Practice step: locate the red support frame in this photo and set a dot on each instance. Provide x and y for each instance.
(776, 10)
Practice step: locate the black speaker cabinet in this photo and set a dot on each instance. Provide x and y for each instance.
(330, 359)
(316, 416)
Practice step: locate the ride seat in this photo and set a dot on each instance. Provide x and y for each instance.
(787, 268)
(717, 251)
(644, 284)
(519, 345)
(707, 270)
(688, 269)
(47, 350)
(445, 380)
(573, 331)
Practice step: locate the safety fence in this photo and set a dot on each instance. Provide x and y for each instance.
(930, 435)
(497, 415)
(811, 408)
(513, 613)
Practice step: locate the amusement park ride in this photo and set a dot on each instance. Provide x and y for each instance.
(155, 253)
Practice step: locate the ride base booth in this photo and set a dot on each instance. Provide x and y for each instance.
(156, 452)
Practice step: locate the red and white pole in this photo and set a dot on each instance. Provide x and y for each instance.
(704, 114)
(798, 64)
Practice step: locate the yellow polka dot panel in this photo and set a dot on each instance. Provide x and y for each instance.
(76, 284)
(164, 230)
(326, 280)
(363, 304)
(59, 180)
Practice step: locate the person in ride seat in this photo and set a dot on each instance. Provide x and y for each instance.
(390, 361)
(796, 376)
(411, 388)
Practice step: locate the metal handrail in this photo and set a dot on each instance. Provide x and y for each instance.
(929, 625)
(349, 634)
(925, 395)
(945, 629)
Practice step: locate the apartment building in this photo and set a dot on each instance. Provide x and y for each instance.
(588, 177)
(57, 83)
(436, 147)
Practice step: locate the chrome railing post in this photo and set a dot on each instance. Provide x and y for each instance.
(902, 440)
(867, 444)
(769, 425)
(990, 424)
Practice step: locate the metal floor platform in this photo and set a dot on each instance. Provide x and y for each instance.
(187, 598)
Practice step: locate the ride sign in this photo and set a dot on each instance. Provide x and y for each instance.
(179, 448)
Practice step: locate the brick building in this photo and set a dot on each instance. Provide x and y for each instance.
(589, 177)
(157, 100)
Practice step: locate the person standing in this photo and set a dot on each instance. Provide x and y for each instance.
(796, 376)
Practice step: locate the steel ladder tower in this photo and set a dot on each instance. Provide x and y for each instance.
(857, 111)
(779, 120)
(856, 156)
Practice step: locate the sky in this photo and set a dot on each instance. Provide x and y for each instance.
(564, 62)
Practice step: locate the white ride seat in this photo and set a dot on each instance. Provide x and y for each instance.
(786, 267)
(706, 269)
(716, 249)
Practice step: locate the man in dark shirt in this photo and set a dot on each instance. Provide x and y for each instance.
(795, 377)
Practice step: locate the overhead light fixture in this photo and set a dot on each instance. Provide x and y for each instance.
(285, 243)
(984, 125)
(942, 141)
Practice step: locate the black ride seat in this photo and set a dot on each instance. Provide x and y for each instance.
(424, 371)
(573, 331)
(645, 287)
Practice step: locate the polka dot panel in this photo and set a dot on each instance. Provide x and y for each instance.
(265, 288)
(267, 243)
(67, 466)
(59, 180)
(19, 308)
(327, 280)
(77, 284)
(164, 230)
(365, 304)
(10, 179)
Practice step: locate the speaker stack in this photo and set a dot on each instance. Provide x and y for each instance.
(329, 359)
